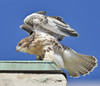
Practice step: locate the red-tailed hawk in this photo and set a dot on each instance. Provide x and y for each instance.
(46, 47)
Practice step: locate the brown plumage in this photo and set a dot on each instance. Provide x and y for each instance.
(43, 42)
(31, 45)
(46, 47)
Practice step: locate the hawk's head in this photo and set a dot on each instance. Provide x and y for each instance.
(22, 45)
(25, 44)
(30, 45)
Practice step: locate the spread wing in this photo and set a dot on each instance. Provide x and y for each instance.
(51, 23)
(56, 25)
(31, 30)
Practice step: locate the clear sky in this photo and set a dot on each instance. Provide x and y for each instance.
(82, 15)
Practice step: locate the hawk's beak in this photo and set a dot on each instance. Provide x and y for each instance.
(17, 50)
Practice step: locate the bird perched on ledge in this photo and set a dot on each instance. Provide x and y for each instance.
(47, 47)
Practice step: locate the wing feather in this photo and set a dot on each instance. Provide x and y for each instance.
(59, 27)
(41, 12)
(57, 17)
(51, 23)
(67, 30)
(26, 28)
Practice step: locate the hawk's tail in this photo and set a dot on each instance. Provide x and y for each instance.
(77, 64)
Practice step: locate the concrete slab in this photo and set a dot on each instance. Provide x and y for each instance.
(23, 79)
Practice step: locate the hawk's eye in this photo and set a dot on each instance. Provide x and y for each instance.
(20, 44)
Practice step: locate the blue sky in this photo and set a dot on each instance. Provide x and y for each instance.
(82, 15)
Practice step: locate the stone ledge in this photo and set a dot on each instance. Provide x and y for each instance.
(21, 79)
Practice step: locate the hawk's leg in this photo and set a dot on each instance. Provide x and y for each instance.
(39, 57)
